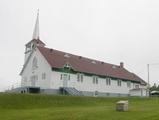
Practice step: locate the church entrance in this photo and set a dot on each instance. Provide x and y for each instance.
(34, 79)
(65, 80)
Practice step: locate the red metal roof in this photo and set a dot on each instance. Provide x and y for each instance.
(57, 59)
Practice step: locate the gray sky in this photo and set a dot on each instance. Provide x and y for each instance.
(106, 30)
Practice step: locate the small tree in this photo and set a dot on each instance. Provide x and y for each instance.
(157, 88)
(154, 87)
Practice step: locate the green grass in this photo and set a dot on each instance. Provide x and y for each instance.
(49, 107)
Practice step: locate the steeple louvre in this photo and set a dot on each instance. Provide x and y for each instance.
(36, 28)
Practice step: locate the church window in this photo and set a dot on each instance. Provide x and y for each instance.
(28, 48)
(34, 63)
(79, 77)
(33, 46)
(108, 81)
(61, 77)
(65, 77)
(128, 84)
(43, 76)
(95, 80)
(68, 77)
(119, 82)
(136, 86)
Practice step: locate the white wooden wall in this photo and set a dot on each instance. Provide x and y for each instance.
(43, 67)
(87, 84)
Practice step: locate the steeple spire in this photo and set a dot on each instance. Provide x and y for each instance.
(36, 28)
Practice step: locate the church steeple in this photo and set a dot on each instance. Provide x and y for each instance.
(36, 28)
(36, 39)
(31, 45)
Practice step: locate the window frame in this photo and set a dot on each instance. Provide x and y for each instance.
(108, 81)
(137, 86)
(129, 84)
(66, 75)
(95, 80)
(80, 77)
(119, 82)
(34, 63)
(43, 76)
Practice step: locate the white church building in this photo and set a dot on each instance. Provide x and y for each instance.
(51, 71)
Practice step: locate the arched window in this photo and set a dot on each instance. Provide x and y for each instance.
(34, 63)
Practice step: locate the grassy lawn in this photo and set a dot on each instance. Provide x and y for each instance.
(49, 107)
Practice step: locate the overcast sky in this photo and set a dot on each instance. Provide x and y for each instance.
(106, 30)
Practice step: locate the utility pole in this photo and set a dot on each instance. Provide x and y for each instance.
(148, 80)
(148, 76)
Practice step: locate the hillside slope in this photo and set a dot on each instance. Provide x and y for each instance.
(49, 107)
